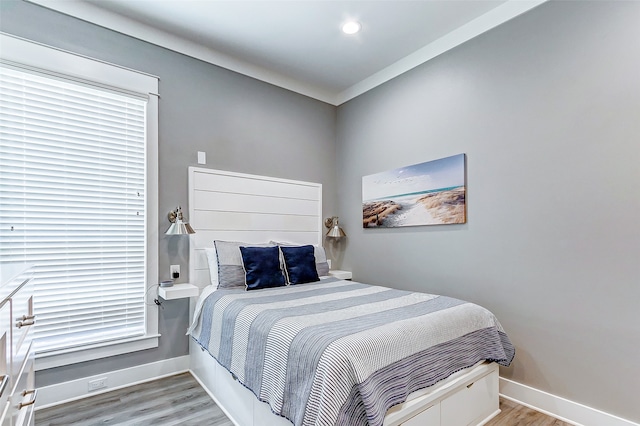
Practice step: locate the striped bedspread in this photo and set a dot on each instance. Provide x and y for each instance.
(340, 352)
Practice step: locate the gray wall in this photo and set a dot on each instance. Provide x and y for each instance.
(243, 125)
(547, 109)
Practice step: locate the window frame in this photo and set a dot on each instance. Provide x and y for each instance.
(45, 59)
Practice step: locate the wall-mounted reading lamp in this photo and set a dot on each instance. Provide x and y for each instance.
(334, 228)
(178, 226)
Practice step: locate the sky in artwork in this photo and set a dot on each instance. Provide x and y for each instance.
(431, 175)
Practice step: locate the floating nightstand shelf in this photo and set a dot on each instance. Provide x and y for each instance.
(178, 291)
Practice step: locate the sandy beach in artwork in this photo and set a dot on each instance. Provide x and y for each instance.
(434, 208)
(375, 212)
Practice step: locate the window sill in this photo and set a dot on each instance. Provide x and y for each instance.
(63, 357)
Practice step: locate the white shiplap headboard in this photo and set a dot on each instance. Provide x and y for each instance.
(248, 208)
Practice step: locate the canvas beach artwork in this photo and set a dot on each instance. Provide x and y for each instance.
(430, 193)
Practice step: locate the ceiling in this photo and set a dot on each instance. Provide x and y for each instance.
(298, 45)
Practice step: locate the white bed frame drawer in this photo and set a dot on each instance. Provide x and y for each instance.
(430, 416)
(480, 399)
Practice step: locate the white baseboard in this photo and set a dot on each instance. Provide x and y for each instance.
(560, 408)
(77, 389)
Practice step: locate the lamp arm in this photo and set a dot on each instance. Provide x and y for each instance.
(328, 222)
(175, 215)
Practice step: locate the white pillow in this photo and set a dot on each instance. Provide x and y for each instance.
(225, 263)
(212, 260)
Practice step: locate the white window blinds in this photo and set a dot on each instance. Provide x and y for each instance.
(72, 202)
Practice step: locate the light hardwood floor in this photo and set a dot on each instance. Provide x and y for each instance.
(516, 414)
(180, 400)
(175, 400)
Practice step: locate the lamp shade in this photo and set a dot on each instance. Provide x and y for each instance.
(335, 231)
(178, 226)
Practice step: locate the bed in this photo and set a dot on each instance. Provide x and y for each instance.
(327, 351)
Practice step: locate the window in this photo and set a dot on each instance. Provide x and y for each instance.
(77, 200)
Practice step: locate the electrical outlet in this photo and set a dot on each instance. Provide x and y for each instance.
(97, 384)
(175, 271)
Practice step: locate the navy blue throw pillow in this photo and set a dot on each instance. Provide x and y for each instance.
(300, 264)
(262, 267)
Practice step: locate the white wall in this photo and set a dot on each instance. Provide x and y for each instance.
(547, 109)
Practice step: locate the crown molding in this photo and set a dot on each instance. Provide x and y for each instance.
(122, 24)
(472, 29)
(113, 21)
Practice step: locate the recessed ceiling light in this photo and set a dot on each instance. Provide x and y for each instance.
(351, 27)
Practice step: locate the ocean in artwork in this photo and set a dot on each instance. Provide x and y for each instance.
(430, 193)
